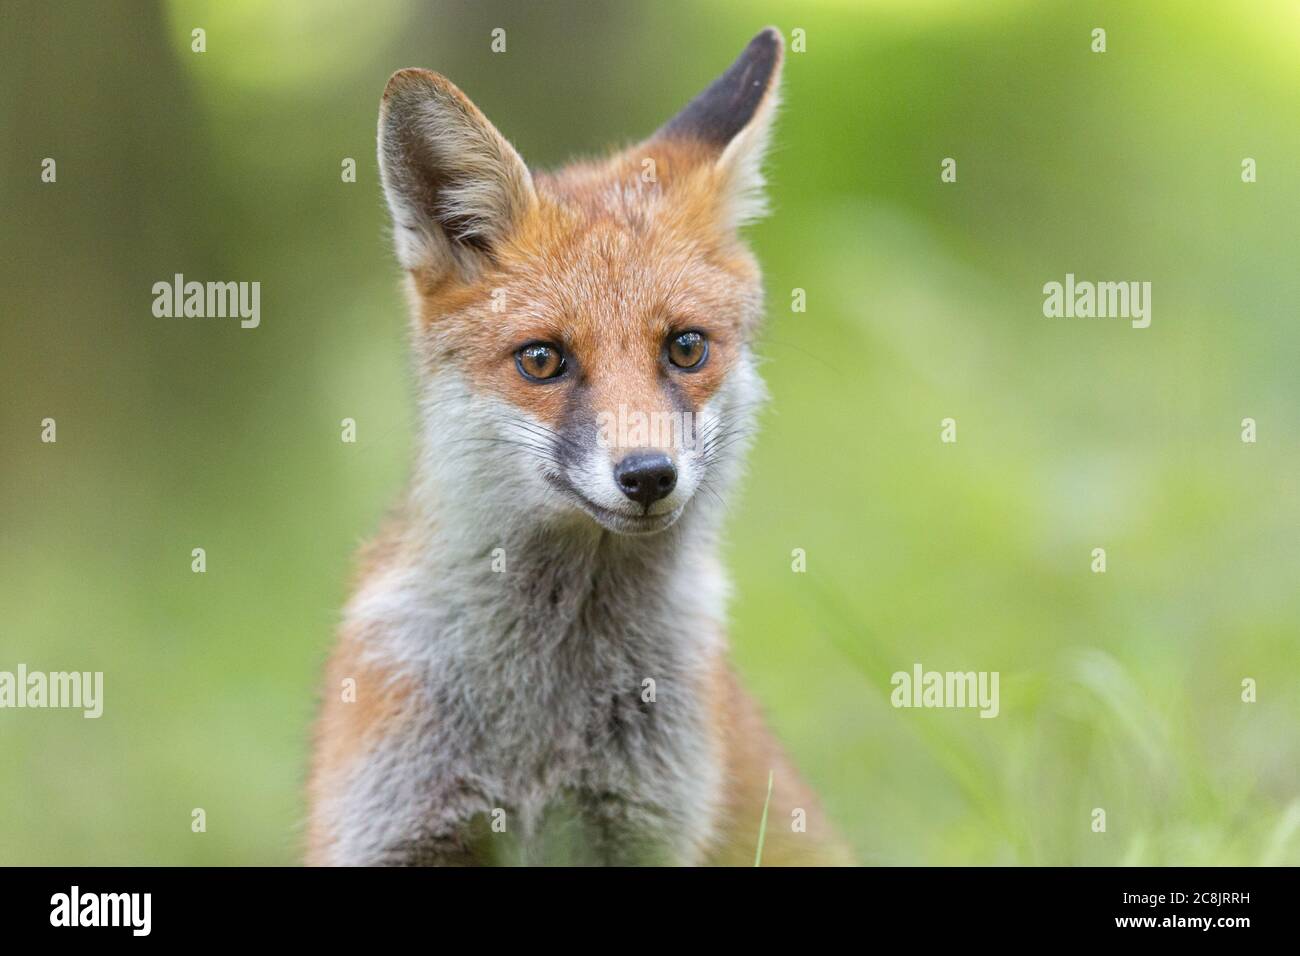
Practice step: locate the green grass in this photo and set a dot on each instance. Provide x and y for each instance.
(762, 824)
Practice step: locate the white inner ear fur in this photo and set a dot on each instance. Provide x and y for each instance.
(740, 167)
(478, 184)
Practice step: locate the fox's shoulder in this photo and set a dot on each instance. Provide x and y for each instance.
(366, 694)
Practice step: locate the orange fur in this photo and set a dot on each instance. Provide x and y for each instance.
(346, 728)
(575, 273)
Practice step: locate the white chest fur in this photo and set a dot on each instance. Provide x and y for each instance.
(571, 685)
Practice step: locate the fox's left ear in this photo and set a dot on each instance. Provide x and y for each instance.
(732, 119)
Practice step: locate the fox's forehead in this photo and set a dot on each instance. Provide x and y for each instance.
(638, 186)
(628, 276)
(605, 269)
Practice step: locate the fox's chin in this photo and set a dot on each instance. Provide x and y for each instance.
(620, 523)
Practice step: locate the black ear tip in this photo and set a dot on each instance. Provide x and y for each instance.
(771, 39)
(763, 54)
(730, 102)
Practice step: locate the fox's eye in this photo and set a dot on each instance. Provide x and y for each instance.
(688, 350)
(539, 361)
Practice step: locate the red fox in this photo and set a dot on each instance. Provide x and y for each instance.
(535, 645)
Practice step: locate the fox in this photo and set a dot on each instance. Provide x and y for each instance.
(532, 666)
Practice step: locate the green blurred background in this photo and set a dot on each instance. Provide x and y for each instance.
(1119, 690)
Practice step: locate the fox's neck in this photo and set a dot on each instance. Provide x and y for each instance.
(577, 578)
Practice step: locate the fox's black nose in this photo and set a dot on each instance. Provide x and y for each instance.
(646, 477)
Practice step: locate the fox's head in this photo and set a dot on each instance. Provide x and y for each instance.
(583, 336)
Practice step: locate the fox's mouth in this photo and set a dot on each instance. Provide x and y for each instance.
(619, 522)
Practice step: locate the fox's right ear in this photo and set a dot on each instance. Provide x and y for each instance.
(455, 187)
(732, 119)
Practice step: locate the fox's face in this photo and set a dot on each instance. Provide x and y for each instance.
(583, 337)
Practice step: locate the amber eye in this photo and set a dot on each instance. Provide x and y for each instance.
(688, 350)
(539, 361)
